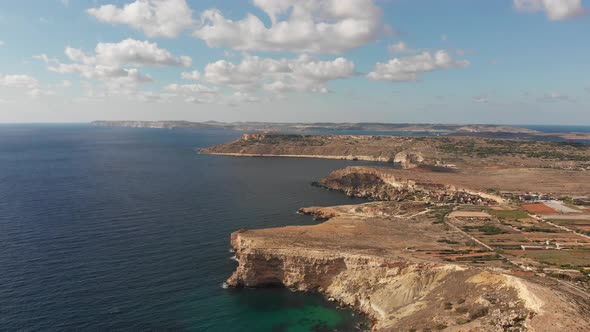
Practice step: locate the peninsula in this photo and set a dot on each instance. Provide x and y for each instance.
(464, 234)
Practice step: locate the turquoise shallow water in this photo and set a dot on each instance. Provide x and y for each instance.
(128, 229)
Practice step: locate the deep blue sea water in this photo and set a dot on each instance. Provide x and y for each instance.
(128, 229)
(557, 129)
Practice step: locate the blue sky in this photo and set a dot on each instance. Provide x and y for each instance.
(451, 61)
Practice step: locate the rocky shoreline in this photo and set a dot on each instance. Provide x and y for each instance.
(399, 260)
(396, 286)
(429, 153)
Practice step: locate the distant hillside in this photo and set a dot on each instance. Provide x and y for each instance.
(322, 126)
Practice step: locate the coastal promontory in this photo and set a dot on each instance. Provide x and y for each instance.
(463, 234)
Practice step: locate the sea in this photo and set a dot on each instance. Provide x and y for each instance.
(124, 229)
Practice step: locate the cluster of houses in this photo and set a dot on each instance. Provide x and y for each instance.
(459, 197)
(531, 197)
(581, 200)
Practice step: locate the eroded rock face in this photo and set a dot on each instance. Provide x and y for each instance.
(401, 293)
(348, 147)
(382, 259)
(409, 159)
(397, 294)
(375, 183)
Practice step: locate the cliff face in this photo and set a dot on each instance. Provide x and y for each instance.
(383, 259)
(457, 186)
(386, 185)
(403, 294)
(374, 285)
(408, 152)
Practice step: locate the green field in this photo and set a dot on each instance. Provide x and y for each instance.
(509, 214)
(473, 208)
(576, 257)
(569, 222)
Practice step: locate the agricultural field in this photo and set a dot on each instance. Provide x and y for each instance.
(581, 226)
(513, 236)
(538, 208)
(575, 258)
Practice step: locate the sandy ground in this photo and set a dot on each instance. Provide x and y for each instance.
(560, 207)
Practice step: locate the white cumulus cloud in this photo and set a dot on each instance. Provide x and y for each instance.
(114, 64)
(400, 47)
(156, 18)
(137, 53)
(128, 52)
(240, 97)
(27, 83)
(18, 81)
(44, 58)
(304, 73)
(299, 26)
(110, 60)
(246, 74)
(194, 75)
(195, 93)
(554, 9)
(410, 68)
(190, 88)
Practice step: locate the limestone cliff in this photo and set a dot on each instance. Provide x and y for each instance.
(410, 151)
(398, 289)
(391, 185)
(409, 159)
(457, 186)
(407, 151)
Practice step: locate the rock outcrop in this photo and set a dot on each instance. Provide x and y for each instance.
(409, 159)
(410, 152)
(348, 147)
(454, 186)
(392, 185)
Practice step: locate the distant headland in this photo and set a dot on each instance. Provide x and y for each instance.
(475, 130)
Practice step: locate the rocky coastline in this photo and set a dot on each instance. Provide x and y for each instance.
(352, 258)
(442, 153)
(399, 260)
